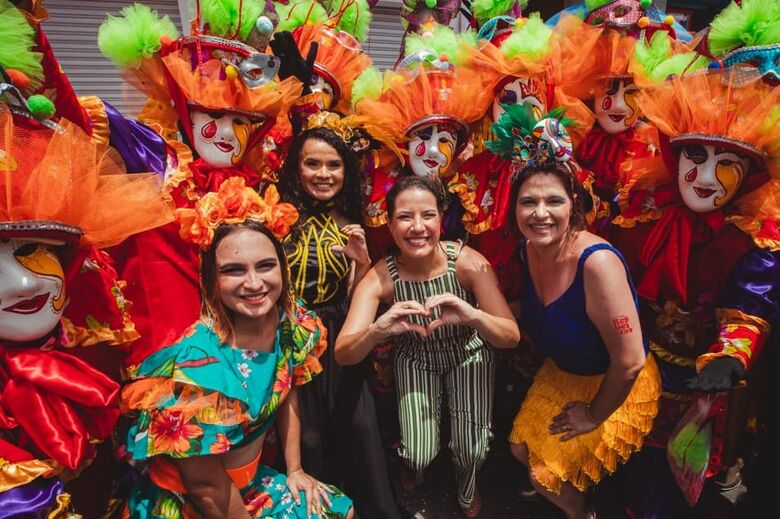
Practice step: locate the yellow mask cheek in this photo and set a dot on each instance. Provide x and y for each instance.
(45, 263)
(242, 136)
(447, 149)
(729, 176)
(632, 103)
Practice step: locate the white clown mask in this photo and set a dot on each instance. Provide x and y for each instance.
(519, 91)
(321, 86)
(32, 290)
(432, 149)
(616, 108)
(220, 138)
(554, 140)
(709, 176)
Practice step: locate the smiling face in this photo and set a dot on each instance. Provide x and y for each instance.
(415, 223)
(519, 91)
(554, 141)
(432, 149)
(616, 108)
(321, 169)
(543, 210)
(220, 138)
(249, 275)
(709, 176)
(32, 292)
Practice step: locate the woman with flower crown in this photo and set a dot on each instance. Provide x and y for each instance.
(328, 256)
(200, 408)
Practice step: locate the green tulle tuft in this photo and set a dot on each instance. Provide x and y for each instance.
(484, 10)
(353, 16)
(17, 39)
(134, 36)
(368, 85)
(222, 17)
(41, 107)
(441, 40)
(757, 22)
(531, 41)
(297, 13)
(678, 65)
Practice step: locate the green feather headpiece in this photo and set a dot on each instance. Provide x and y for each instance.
(299, 12)
(352, 16)
(755, 23)
(484, 10)
(135, 36)
(368, 85)
(531, 41)
(222, 17)
(514, 133)
(656, 62)
(17, 39)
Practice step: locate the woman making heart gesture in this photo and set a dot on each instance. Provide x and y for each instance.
(446, 313)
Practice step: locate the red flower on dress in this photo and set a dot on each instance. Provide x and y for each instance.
(254, 501)
(171, 433)
(283, 382)
(221, 446)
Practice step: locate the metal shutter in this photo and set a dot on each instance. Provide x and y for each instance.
(72, 29)
(384, 37)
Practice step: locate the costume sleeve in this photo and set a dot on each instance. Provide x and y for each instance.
(750, 305)
(182, 404)
(308, 338)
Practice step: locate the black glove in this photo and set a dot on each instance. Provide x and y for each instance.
(720, 374)
(291, 63)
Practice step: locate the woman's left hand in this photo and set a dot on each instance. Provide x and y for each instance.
(356, 248)
(316, 492)
(575, 419)
(454, 310)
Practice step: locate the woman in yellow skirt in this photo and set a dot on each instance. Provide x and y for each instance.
(594, 399)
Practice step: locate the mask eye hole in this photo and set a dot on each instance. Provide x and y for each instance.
(695, 153)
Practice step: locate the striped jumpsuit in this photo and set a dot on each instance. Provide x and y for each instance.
(453, 360)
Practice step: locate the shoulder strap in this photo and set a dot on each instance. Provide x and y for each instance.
(391, 268)
(452, 254)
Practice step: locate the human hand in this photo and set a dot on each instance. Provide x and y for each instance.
(316, 492)
(454, 310)
(575, 419)
(396, 321)
(720, 374)
(291, 62)
(356, 248)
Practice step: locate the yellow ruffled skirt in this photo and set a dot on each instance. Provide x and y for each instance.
(583, 460)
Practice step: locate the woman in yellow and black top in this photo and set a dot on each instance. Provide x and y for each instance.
(327, 254)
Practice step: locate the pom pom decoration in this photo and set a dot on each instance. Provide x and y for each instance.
(41, 107)
(137, 35)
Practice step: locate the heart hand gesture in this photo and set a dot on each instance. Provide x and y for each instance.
(395, 320)
(453, 310)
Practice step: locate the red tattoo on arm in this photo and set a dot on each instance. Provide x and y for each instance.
(622, 325)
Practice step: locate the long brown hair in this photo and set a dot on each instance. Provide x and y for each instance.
(213, 308)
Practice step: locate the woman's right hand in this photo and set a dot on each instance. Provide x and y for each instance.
(316, 492)
(395, 320)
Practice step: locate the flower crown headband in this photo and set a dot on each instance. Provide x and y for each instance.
(235, 203)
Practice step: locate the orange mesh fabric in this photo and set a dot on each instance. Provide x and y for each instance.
(66, 177)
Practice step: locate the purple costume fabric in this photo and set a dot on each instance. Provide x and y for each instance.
(33, 501)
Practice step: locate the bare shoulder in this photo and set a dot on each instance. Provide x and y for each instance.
(605, 268)
(470, 259)
(379, 281)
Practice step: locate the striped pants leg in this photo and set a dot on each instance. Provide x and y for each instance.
(419, 390)
(470, 388)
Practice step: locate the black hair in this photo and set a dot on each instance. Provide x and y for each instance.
(213, 306)
(348, 201)
(571, 185)
(431, 184)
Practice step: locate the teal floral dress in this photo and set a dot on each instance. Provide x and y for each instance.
(201, 396)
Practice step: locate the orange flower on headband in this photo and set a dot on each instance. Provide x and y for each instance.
(235, 203)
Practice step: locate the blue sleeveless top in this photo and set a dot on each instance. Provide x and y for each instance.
(562, 329)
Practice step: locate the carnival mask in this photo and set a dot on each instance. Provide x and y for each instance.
(321, 86)
(616, 109)
(620, 14)
(32, 291)
(554, 142)
(517, 92)
(432, 149)
(765, 58)
(220, 138)
(709, 176)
